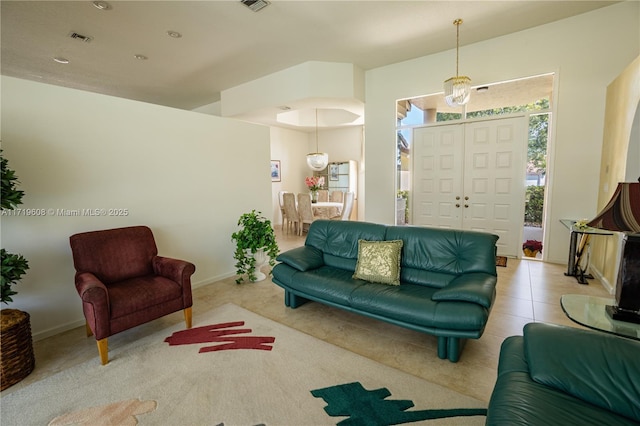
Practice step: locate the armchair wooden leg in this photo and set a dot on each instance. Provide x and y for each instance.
(103, 350)
(88, 329)
(187, 316)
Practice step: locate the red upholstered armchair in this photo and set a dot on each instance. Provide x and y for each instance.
(124, 283)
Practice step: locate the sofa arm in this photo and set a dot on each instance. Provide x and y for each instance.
(302, 258)
(477, 288)
(95, 303)
(595, 367)
(176, 270)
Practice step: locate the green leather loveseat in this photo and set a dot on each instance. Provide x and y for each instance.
(446, 284)
(556, 375)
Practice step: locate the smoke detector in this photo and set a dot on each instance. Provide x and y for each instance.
(255, 5)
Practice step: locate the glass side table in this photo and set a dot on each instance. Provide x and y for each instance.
(590, 312)
(573, 267)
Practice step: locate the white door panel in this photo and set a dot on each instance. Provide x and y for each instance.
(436, 176)
(494, 179)
(471, 176)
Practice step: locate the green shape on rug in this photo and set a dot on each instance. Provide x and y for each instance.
(369, 407)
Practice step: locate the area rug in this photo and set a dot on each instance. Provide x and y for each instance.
(236, 368)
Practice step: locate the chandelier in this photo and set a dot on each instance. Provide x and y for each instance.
(457, 90)
(317, 160)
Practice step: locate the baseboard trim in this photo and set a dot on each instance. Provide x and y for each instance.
(605, 283)
(59, 329)
(211, 280)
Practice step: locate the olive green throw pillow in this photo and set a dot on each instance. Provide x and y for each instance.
(379, 261)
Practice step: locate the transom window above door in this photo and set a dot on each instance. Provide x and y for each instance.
(526, 94)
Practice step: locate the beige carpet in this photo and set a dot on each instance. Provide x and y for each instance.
(223, 381)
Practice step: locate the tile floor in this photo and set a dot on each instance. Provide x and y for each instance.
(527, 291)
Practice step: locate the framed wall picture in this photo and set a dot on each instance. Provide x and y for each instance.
(333, 172)
(276, 172)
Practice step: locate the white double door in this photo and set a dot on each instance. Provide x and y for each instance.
(472, 176)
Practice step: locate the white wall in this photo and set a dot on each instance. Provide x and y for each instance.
(211, 109)
(184, 174)
(290, 148)
(587, 51)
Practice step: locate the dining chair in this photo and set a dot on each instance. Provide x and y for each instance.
(337, 196)
(305, 211)
(347, 207)
(290, 211)
(323, 195)
(281, 202)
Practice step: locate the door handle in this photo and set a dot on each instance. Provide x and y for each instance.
(466, 198)
(457, 205)
(458, 197)
(466, 206)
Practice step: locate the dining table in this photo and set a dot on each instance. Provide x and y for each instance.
(326, 209)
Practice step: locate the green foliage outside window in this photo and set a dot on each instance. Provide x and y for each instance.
(405, 195)
(533, 207)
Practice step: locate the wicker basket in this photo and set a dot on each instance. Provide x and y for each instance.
(16, 348)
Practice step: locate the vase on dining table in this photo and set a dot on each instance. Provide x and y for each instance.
(314, 196)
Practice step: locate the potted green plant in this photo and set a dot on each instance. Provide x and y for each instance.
(255, 242)
(531, 248)
(14, 266)
(16, 348)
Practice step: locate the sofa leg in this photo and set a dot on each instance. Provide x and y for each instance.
(296, 301)
(188, 313)
(455, 346)
(103, 350)
(442, 347)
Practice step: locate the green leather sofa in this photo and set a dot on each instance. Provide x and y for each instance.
(555, 375)
(447, 278)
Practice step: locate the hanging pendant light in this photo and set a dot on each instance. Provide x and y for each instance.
(457, 90)
(317, 160)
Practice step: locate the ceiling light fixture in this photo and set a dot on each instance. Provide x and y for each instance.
(457, 90)
(174, 34)
(102, 5)
(61, 60)
(317, 160)
(140, 57)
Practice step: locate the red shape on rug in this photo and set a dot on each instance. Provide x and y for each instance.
(222, 333)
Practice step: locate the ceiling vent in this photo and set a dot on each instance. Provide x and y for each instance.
(80, 37)
(255, 5)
